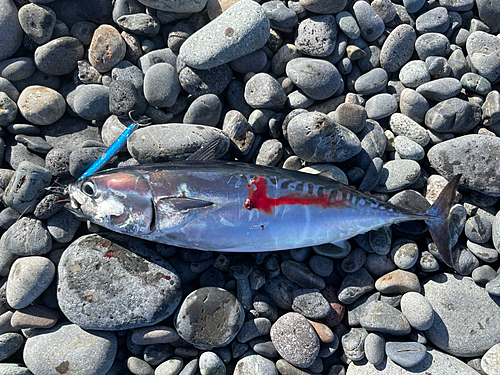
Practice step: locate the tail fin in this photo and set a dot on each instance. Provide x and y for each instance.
(439, 227)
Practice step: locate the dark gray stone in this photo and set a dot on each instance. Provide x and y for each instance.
(12, 36)
(353, 343)
(397, 48)
(371, 82)
(310, 303)
(59, 56)
(440, 89)
(369, 21)
(199, 82)
(405, 354)
(263, 91)
(354, 285)
(381, 317)
(37, 21)
(432, 44)
(254, 328)
(486, 64)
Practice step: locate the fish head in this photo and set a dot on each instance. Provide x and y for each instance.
(120, 201)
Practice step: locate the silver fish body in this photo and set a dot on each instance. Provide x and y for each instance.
(226, 206)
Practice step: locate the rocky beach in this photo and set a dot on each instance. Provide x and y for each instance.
(392, 97)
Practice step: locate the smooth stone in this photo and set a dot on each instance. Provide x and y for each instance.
(142, 290)
(491, 108)
(14, 369)
(17, 69)
(438, 66)
(408, 149)
(198, 82)
(483, 275)
(254, 328)
(476, 83)
(397, 175)
(10, 343)
(486, 253)
(484, 52)
(177, 6)
(158, 56)
(414, 106)
(489, 361)
(139, 24)
(371, 82)
(488, 13)
(466, 155)
(9, 110)
(493, 286)
(255, 364)
(59, 56)
(347, 23)
(37, 21)
(209, 318)
(34, 316)
(204, 110)
(124, 97)
(323, 6)
(67, 348)
(433, 21)
(263, 91)
(440, 89)
(40, 111)
(12, 35)
(168, 142)
(211, 364)
(405, 354)
(27, 236)
(417, 309)
(161, 85)
(432, 44)
(295, 340)
(312, 144)
(434, 362)
(381, 317)
(301, 275)
(353, 343)
(157, 334)
(239, 132)
(310, 303)
(380, 240)
(373, 144)
(28, 279)
(240, 30)
(91, 102)
(369, 21)
(170, 367)
(316, 35)
(107, 48)
(478, 229)
(26, 187)
(398, 281)
(254, 62)
(375, 348)
(318, 79)
(354, 285)
(461, 308)
(397, 48)
(270, 153)
(464, 261)
(414, 73)
(380, 106)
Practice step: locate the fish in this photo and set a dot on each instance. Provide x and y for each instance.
(231, 206)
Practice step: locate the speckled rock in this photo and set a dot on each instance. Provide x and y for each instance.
(107, 48)
(316, 35)
(68, 348)
(381, 317)
(255, 364)
(397, 48)
(484, 52)
(209, 318)
(141, 293)
(461, 308)
(295, 340)
(27, 236)
(41, 105)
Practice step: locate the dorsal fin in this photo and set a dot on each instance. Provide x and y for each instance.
(206, 153)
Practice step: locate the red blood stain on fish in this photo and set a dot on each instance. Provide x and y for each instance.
(258, 198)
(109, 254)
(167, 277)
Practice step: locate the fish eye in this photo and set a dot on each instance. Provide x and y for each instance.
(88, 188)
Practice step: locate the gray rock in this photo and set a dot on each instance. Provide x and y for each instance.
(476, 83)
(59, 56)
(63, 226)
(27, 236)
(26, 188)
(255, 364)
(139, 24)
(492, 286)
(168, 142)
(91, 102)
(211, 364)
(488, 13)
(161, 86)
(254, 328)
(199, 82)
(313, 145)
(369, 21)
(487, 64)
(414, 106)
(9, 110)
(398, 48)
(347, 23)
(170, 366)
(464, 261)
(204, 110)
(10, 343)
(478, 229)
(406, 354)
(380, 240)
(65, 347)
(417, 309)
(316, 36)
(414, 73)
(438, 66)
(353, 343)
(485, 253)
(301, 275)
(397, 175)
(380, 106)
(270, 153)
(432, 44)
(203, 323)
(404, 253)
(319, 79)
(34, 316)
(373, 144)
(12, 37)
(408, 149)
(354, 285)
(461, 307)
(483, 275)
(371, 82)
(37, 21)
(491, 108)
(14, 369)
(354, 260)
(44, 112)
(381, 317)
(158, 56)
(398, 281)
(467, 155)
(295, 340)
(155, 287)
(237, 32)
(17, 68)
(138, 366)
(280, 290)
(177, 6)
(433, 21)
(310, 303)
(157, 334)
(28, 278)
(263, 91)
(440, 89)
(239, 131)
(375, 348)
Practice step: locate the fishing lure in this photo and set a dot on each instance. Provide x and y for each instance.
(230, 206)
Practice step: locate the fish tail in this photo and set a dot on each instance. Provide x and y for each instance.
(438, 226)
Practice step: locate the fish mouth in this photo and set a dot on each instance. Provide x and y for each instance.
(74, 208)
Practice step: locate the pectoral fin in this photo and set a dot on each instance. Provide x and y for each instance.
(174, 212)
(183, 204)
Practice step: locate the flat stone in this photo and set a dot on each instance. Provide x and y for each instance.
(67, 348)
(355, 285)
(255, 364)
(138, 292)
(440, 89)
(209, 318)
(397, 175)
(375, 348)
(405, 354)
(157, 334)
(34, 316)
(199, 82)
(310, 303)
(59, 56)
(242, 29)
(398, 281)
(468, 155)
(381, 317)
(466, 316)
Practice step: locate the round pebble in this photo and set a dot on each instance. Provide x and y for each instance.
(375, 348)
(417, 310)
(381, 317)
(369, 21)
(380, 106)
(107, 48)
(200, 313)
(59, 56)
(37, 21)
(263, 91)
(161, 86)
(41, 105)
(316, 35)
(255, 364)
